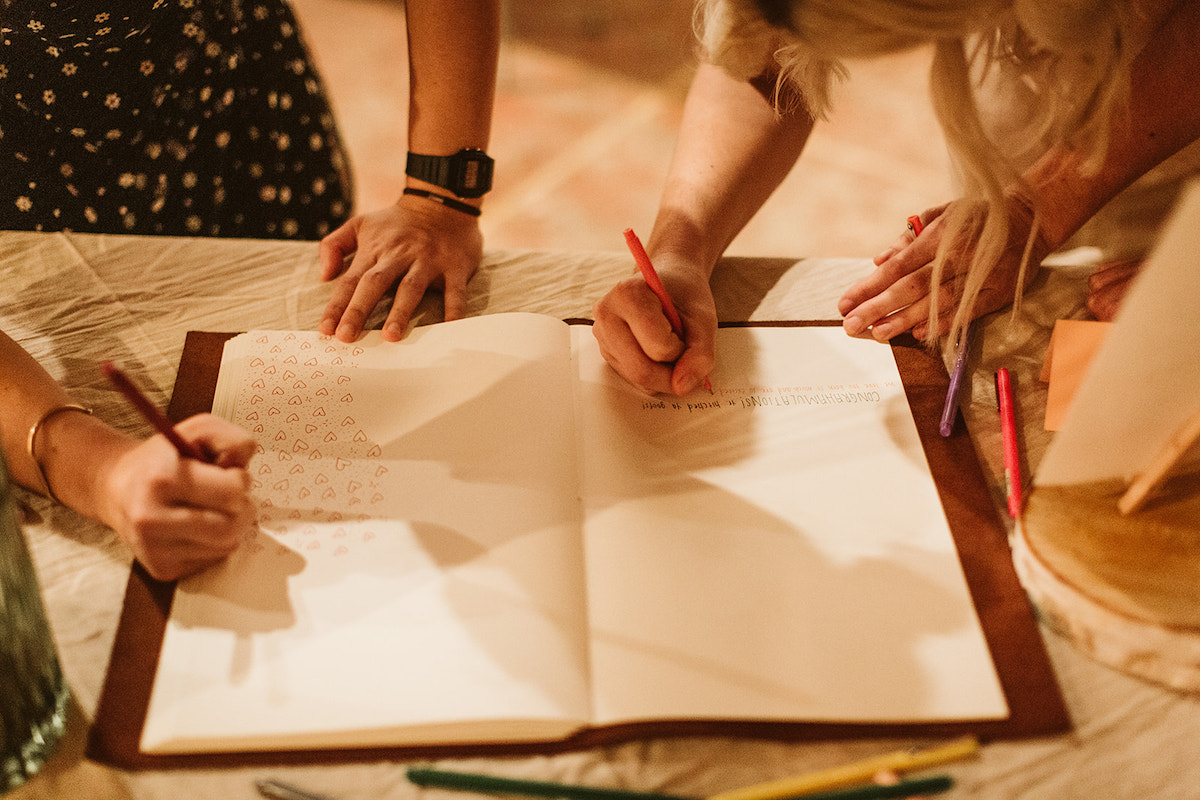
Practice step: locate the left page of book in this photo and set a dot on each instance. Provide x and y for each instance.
(416, 575)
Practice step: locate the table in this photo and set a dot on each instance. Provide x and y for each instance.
(73, 300)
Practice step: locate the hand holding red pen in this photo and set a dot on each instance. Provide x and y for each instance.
(641, 341)
(180, 500)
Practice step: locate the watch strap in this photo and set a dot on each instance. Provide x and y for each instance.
(467, 173)
(449, 202)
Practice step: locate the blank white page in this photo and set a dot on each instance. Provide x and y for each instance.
(775, 550)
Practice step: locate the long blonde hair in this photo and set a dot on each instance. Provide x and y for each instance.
(1071, 59)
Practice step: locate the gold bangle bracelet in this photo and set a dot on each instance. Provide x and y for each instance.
(32, 440)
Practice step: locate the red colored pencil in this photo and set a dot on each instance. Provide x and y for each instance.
(1008, 432)
(656, 285)
(150, 411)
(653, 281)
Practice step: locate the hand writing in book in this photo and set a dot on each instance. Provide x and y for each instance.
(414, 245)
(635, 336)
(178, 515)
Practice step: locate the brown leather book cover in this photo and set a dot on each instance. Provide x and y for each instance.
(1035, 703)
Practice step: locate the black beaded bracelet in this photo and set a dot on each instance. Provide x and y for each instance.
(448, 202)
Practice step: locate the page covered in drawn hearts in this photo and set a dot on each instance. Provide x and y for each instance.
(416, 571)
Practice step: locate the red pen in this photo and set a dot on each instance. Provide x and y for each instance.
(915, 225)
(656, 285)
(150, 411)
(1008, 432)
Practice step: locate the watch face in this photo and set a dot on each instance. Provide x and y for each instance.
(471, 174)
(474, 176)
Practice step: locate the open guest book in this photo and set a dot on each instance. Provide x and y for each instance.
(481, 540)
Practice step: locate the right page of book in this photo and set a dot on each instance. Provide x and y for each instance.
(775, 549)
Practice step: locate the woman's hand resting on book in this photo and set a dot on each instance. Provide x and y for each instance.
(414, 245)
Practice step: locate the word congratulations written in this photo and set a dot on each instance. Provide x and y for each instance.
(771, 397)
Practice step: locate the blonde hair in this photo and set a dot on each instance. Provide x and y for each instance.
(1070, 58)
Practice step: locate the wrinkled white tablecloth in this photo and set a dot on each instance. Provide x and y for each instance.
(73, 300)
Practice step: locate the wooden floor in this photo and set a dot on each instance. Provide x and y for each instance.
(587, 111)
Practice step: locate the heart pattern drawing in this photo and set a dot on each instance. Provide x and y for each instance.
(316, 468)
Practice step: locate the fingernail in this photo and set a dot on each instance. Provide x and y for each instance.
(684, 383)
(327, 326)
(853, 325)
(883, 333)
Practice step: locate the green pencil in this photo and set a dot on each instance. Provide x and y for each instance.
(488, 784)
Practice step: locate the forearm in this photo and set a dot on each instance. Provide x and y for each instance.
(453, 49)
(27, 393)
(1162, 118)
(733, 151)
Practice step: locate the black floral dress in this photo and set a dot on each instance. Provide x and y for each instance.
(180, 117)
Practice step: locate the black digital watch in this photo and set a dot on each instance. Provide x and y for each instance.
(467, 173)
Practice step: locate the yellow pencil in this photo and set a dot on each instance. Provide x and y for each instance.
(851, 774)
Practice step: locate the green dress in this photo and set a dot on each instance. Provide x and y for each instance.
(179, 117)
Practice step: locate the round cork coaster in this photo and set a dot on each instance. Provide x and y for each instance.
(1125, 589)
